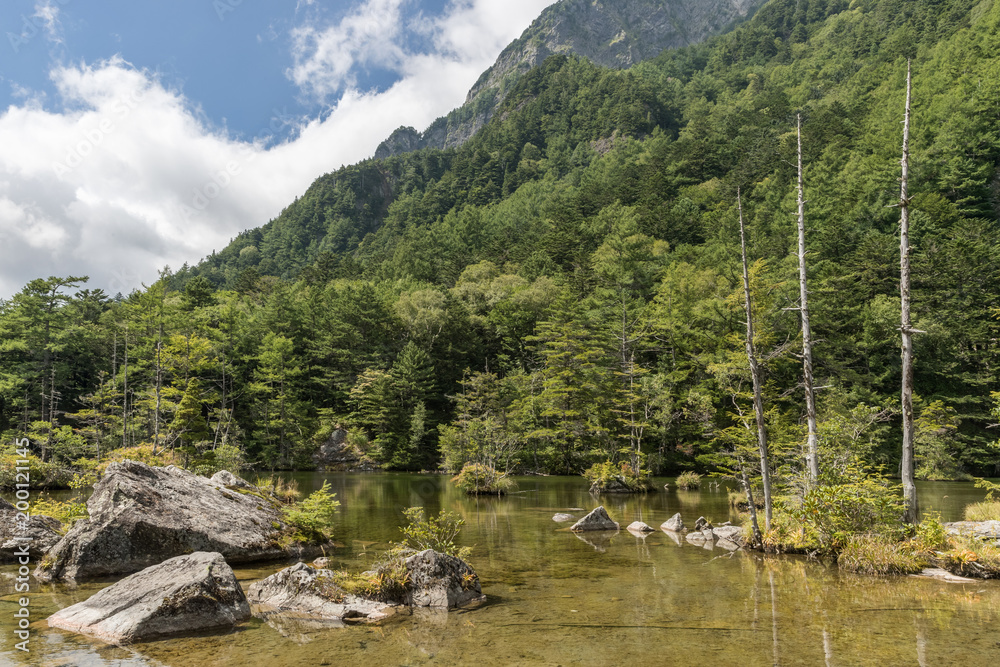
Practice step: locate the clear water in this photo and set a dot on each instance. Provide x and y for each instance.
(557, 598)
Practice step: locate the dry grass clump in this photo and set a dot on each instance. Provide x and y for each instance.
(987, 510)
(688, 480)
(971, 557)
(874, 554)
(285, 490)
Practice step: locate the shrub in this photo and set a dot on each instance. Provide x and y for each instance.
(482, 479)
(607, 477)
(41, 474)
(314, 516)
(878, 554)
(688, 480)
(67, 512)
(860, 503)
(437, 533)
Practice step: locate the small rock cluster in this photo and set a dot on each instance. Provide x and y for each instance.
(704, 533)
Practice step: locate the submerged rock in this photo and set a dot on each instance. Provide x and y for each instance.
(598, 519)
(563, 517)
(674, 524)
(39, 534)
(944, 575)
(195, 592)
(141, 515)
(600, 540)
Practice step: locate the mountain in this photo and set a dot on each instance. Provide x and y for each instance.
(611, 33)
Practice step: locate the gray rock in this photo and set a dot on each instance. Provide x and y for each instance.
(708, 533)
(440, 580)
(228, 479)
(731, 533)
(674, 524)
(702, 523)
(984, 530)
(598, 519)
(312, 592)
(194, 592)
(141, 515)
(435, 580)
(640, 526)
(40, 534)
(563, 517)
(696, 538)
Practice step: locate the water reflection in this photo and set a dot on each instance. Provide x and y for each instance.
(555, 597)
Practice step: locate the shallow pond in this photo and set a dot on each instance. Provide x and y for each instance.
(557, 598)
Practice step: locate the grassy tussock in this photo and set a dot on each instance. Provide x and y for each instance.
(879, 555)
(988, 510)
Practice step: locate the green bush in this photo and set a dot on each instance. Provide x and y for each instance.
(482, 479)
(608, 477)
(437, 533)
(66, 512)
(314, 516)
(860, 503)
(41, 474)
(688, 480)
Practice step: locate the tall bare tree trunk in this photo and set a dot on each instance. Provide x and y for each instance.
(909, 488)
(755, 373)
(812, 447)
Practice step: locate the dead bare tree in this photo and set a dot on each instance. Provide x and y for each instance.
(812, 446)
(755, 374)
(907, 473)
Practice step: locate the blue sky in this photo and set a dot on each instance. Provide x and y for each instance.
(142, 134)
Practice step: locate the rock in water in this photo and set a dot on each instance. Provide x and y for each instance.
(440, 580)
(312, 591)
(188, 593)
(435, 580)
(674, 524)
(560, 517)
(640, 526)
(731, 533)
(598, 519)
(40, 534)
(702, 523)
(141, 515)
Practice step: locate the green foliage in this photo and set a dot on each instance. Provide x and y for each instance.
(480, 479)
(387, 580)
(437, 533)
(688, 480)
(856, 503)
(609, 477)
(314, 516)
(285, 490)
(41, 475)
(66, 512)
(988, 510)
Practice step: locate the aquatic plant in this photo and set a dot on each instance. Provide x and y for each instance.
(482, 479)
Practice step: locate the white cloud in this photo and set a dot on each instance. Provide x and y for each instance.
(47, 13)
(130, 178)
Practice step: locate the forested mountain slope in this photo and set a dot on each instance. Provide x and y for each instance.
(565, 286)
(611, 33)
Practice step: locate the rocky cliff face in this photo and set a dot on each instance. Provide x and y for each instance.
(612, 33)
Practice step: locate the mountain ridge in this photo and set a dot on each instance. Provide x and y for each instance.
(610, 33)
